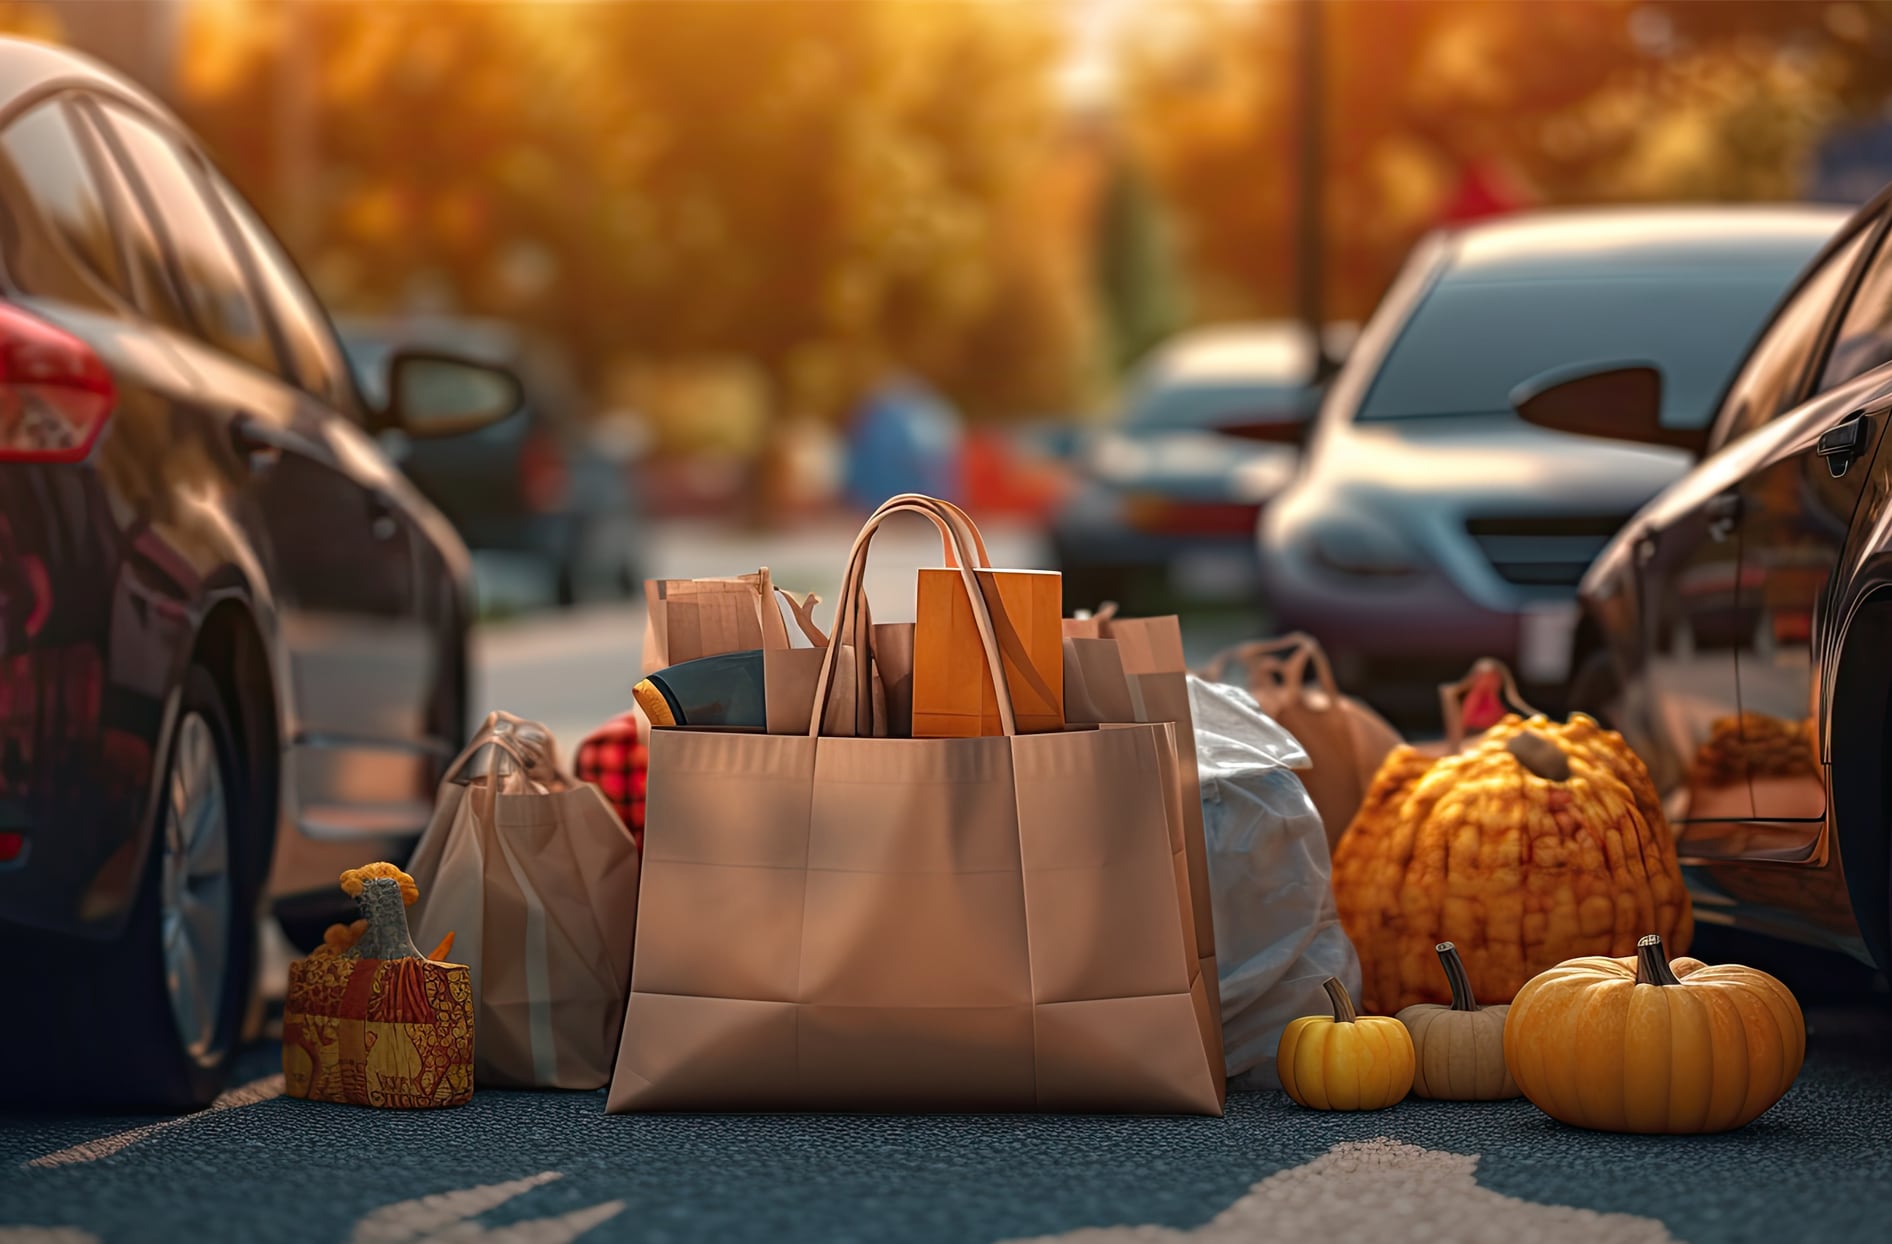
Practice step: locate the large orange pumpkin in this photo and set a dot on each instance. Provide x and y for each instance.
(1540, 842)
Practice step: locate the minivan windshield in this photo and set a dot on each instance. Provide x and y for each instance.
(1471, 342)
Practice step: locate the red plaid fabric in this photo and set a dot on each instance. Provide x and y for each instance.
(613, 758)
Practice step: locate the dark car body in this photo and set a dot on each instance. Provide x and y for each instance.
(1424, 497)
(212, 583)
(1167, 495)
(536, 482)
(1739, 629)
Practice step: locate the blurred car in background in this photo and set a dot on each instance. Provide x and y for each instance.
(1168, 495)
(540, 483)
(233, 637)
(1739, 629)
(1431, 525)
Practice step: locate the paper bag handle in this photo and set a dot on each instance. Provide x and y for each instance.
(854, 622)
(500, 731)
(1284, 660)
(945, 543)
(1486, 671)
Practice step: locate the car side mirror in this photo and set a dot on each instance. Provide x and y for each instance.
(1618, 402)
(1283, 429)
(435, 395)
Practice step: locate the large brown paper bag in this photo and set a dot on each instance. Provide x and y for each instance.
(536, 877)
(863, 923)
(1344, 739)
(1135, 666)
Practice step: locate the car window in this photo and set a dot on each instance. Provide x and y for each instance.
(1864, 340)
(222, 305)
(313, 351)
(45, 150)
(147, 270)
(1771, 380)
(1470, 342)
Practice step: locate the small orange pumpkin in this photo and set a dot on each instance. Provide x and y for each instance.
(1640, 1044)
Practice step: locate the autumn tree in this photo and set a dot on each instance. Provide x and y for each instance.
(1564, 101)
(829, 190)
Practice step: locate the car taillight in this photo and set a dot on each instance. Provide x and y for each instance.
(543, 476)
(55, 394)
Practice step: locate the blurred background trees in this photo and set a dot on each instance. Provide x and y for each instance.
(802, 198)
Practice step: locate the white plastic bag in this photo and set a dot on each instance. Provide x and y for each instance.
(1277, 930)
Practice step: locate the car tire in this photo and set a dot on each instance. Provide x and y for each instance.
(110, 1019)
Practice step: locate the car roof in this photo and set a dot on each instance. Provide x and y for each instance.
(28, 67)
(1268, 352)
(1609, 243)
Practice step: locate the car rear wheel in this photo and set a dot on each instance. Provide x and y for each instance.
(153, 1018)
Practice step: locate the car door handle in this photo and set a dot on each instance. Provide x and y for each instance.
(1842, 444)
(1724, 513)
(381, 521)
(252, 441)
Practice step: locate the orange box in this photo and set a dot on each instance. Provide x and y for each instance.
(953, 696)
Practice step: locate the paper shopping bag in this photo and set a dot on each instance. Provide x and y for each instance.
(1135, 671)
(1344, 739)
(856, 923)
(537, 877)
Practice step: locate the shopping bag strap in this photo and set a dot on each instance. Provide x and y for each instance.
(528, 744)
(1284, 661)
(1488, 677)
(804, 611)
(945, 542)
(854, 623)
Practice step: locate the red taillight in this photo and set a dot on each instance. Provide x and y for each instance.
(12, 847)
(543, 476)
(55, 395)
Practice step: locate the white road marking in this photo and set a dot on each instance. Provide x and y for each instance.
(104, 1147)
(447, 1217)
(1385, 1189)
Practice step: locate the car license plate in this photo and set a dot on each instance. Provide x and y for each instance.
(1546, 632)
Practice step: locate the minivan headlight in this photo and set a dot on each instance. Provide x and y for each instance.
(1358, 546)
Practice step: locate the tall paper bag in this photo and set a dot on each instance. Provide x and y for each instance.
(953, 695)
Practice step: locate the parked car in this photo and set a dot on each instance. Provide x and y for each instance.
(1431, 526)
(536, 483)
(1169, 493)
(233, 638)
(1739, 629)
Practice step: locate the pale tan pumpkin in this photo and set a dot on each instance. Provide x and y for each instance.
(1458, 1049)
(1640, 1044)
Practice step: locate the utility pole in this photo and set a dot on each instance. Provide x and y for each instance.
(295, 125)
(1310, 269)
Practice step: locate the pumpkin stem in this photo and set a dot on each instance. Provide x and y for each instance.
(1652, 963)
(1343, 1004)
(1457, 977)
(1540, 755)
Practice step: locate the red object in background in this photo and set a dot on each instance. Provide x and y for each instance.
(12, 846)
(55, 395)
(999, 479)
(614, 759)
(544, 477)
(1483, 190)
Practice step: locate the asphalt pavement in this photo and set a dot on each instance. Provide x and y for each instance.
(542, 1168)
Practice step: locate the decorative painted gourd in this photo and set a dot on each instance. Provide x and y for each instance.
(1539, 842)
(1347, 1061)
(1642, 1044)
(1458, 1049)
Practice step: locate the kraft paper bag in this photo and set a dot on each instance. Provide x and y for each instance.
(537, 878)
(1135, 666)
(685, 619)
(991, 923)
(1344, 739)
(953, 695)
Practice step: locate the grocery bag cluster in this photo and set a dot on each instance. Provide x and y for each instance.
(1000, 859)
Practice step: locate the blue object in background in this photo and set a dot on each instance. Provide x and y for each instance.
(904, 437)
